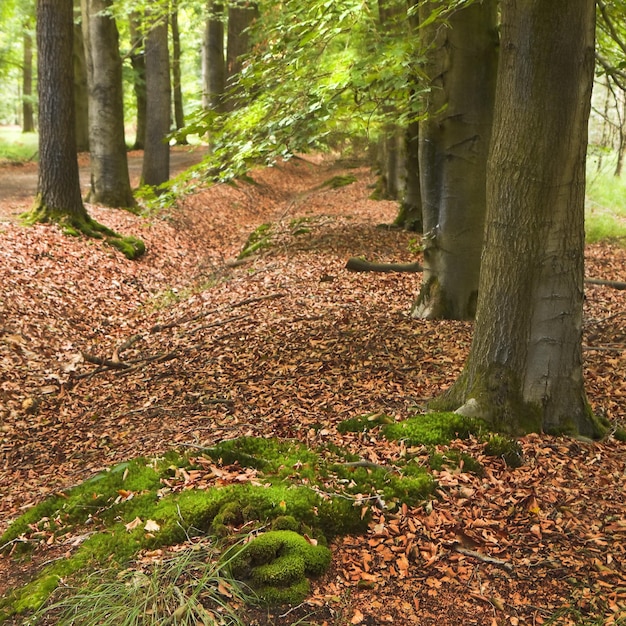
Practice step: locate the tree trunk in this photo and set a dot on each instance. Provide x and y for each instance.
(410, 213)
(156, 161)
(110, 182)
(58, 186)
(138, 63)
(179, 115)
(240, 19)
(454, 140)
(524, 371)
(81, 91)
(213, 63)
(28, 120)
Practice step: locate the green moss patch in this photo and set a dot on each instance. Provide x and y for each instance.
(339, 181)
(432, 429)
(507, 449)
(148, 503)
(277, 564)
(363, 423)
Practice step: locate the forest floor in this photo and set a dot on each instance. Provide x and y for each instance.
(289, 344)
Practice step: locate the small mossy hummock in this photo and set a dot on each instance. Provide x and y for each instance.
(432, 429)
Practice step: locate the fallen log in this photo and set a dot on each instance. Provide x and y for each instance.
(355, 264)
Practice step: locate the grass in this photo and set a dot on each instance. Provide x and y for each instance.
(605, 215)
(17, 147)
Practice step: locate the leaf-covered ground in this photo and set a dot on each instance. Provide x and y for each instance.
(102, 359)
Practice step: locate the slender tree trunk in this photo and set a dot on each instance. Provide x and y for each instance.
(454, 140)
(110, 182)
(524, 371)
(138, 63)
(59, 185)
(28, 119)
(240, 19)
(213, 63)
(621, 136)
(410, 213)
(179, 115)
(81, 91)
(156, 161)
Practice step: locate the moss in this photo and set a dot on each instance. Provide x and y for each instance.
(363, 423)
(508, 449)
(79, 224)
(258, 239)
(339, 181)
(276, 565)
(432, 429)
(456, 459)
(286, 522)
(620, 434)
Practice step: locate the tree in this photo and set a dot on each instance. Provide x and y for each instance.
(524, 371)
(58, 196)
(213, 61)
(28, 120)
(240, 18)
(81, 89)
(454, 139)
(156, 162)
(138, 63)
(59, 185)
(110, 182)
(179, 115)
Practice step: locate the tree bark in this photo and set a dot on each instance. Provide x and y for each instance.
(81, 91)
(454, 141)
(240, 19)
(524, 371)
(156, 161)
(179, 115)
(28, 120)
(213, 62)
(58, 185)
(110, 181)
(138, 63)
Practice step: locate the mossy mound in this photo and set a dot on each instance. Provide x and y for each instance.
(145, 504)
(455, 460)
(339, 181)
(432, 429)
(507, 449)
(277, 564)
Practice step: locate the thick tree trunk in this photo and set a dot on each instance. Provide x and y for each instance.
(59, 186)
(524, 371)
(138, 62)
(179, 115)
(110, 182)
(156, 162)
(213, 62)
(454, 140)
(28, 119)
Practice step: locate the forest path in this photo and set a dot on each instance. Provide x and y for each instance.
(18, 183)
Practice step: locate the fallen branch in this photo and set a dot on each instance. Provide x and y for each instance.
(355, 264)
(483, 557)
(613, 284)
(107, 363)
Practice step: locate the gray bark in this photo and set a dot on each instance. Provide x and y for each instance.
(81, 91)
(179, 115)
(110, 181)
(454, 141)
(240, 19)
(156, 162)
(138, 62)
(28, 119)
(58, 183)
(525, 367)
(213, 61)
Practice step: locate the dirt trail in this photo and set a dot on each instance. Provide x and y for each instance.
(18, 183)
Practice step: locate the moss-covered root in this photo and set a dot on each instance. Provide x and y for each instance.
(81, 224)
(277, 565)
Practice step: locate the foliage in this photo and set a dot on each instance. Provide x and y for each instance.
(17, 147)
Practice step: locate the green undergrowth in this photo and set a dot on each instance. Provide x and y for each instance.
(432, 429)
(339, 181)
(280, 486)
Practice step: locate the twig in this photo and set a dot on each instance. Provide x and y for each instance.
(483, 557)
(613, 284)
(96, 360)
